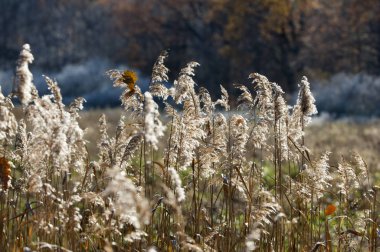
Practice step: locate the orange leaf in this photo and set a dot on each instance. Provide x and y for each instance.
(129, 78)
(330, 209)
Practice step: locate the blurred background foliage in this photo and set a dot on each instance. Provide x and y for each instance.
(282, 39)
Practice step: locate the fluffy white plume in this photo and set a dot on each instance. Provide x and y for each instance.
(8, 122)
(223, 101)
(159, 76)
(318, 177)
(176, 180)
(303, 110)
(130, 205)
(153, 126)
(184, 86)
(24, 85)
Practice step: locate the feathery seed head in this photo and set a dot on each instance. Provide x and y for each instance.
(176, 180)
(8, 123)
(24, 86)
(153, 126)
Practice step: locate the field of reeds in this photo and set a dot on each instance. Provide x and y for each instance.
(193, 175)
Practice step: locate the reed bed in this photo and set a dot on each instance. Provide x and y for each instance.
(193, 175)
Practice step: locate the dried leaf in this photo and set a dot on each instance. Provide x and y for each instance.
(5, 172)
(330, 209)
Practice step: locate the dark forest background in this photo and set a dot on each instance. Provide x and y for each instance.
(283, 39)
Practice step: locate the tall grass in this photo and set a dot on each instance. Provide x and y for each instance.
(203, 176)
